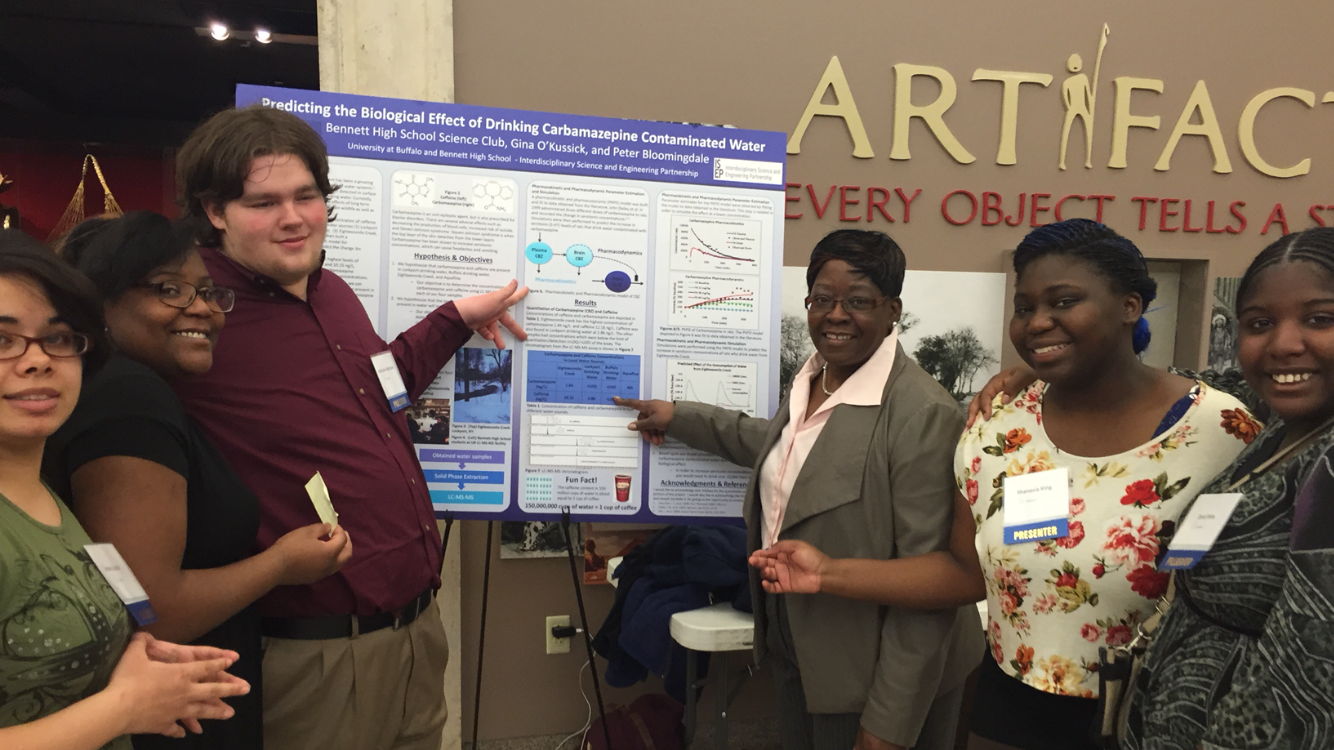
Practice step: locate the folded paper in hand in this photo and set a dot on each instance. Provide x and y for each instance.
(319, 496)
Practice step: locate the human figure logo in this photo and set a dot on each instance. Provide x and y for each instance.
(1081, 98)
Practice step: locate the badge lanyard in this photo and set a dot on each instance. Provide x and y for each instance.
(108, 560)
(386, 368)
(1203, 523)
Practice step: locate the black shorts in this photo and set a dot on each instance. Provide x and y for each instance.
(1006, 710)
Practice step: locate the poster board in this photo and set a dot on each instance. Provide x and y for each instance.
(654, 255)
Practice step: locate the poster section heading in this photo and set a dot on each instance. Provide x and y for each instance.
(464, 135)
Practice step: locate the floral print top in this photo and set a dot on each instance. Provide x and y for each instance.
(1051, 604)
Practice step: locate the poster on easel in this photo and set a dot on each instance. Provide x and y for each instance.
(653, 252)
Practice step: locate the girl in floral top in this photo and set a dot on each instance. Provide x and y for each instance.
(1138, 444)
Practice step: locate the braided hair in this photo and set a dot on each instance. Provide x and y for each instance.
(1114, 257)
(1312, 245)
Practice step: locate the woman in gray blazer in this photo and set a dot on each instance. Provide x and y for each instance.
(857, 462)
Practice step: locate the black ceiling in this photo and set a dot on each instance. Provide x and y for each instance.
(136, 71)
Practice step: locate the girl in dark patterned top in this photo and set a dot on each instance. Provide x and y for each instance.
(1245, 656)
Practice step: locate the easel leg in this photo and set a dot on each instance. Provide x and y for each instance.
(692, 695)
(721, 661)
(583, 621)
(444, 541)
(481, 638)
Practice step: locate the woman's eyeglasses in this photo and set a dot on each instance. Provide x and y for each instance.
(181, 295)
(823, 303)
(58, 344)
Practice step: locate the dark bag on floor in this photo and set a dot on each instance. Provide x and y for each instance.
(651, 722)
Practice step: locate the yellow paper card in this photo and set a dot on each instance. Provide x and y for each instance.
(319, 496)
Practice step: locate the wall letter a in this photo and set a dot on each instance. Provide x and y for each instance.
(1208, 127)
(845, 108)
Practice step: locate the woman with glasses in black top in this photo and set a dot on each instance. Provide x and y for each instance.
(141, 474)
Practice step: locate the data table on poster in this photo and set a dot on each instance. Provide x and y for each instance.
(581, 377)
(582, 441)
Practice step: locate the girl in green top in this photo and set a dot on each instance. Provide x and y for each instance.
(71, 675)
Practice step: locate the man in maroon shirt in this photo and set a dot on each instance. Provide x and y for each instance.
(356, 660)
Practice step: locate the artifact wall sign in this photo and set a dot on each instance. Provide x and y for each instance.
(1199, 118)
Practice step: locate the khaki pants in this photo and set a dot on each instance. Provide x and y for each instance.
(380, 691)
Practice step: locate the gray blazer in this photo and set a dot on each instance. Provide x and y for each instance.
(879, 483)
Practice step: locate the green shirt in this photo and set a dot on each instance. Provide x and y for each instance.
(62, 628)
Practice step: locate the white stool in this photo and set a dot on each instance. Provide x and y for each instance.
(717, 628)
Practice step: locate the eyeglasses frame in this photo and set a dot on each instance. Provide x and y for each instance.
(30, 340)
(842, 302)
(156, 286)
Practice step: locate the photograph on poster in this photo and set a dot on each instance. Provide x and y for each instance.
(1223, 324)
(959, 344)
(522, 540)
(482, 379)
(428, 421)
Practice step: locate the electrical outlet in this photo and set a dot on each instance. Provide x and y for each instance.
(557, 645)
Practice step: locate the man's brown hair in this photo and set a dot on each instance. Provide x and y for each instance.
(212, 165)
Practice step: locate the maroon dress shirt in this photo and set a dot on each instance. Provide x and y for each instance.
(292, 392)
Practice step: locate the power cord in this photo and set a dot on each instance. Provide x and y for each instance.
(582, 732)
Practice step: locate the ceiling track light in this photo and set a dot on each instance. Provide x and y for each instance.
(221, 32)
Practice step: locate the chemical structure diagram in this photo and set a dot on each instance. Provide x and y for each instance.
(413, 189)
(492, 195)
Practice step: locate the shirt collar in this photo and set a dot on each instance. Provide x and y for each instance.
(235, 273)
(866, 386)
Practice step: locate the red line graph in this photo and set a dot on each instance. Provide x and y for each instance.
(743, 296)
(694, 250)
(712, 251)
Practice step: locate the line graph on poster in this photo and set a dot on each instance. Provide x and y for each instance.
(701, 301)
(730, 385)
(580, 256)
(715, 245)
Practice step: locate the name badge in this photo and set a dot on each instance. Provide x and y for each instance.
(1198, 530)
(390, 380)
(122, 581)
(1037, 506)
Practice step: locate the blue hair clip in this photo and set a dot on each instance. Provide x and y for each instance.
(1140, 339)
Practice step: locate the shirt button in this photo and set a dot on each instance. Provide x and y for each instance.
(362, 391)
(391, 437)
(271, 294)
(339, 347)
(414, 481)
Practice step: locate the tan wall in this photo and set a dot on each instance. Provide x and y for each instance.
(755, 64)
